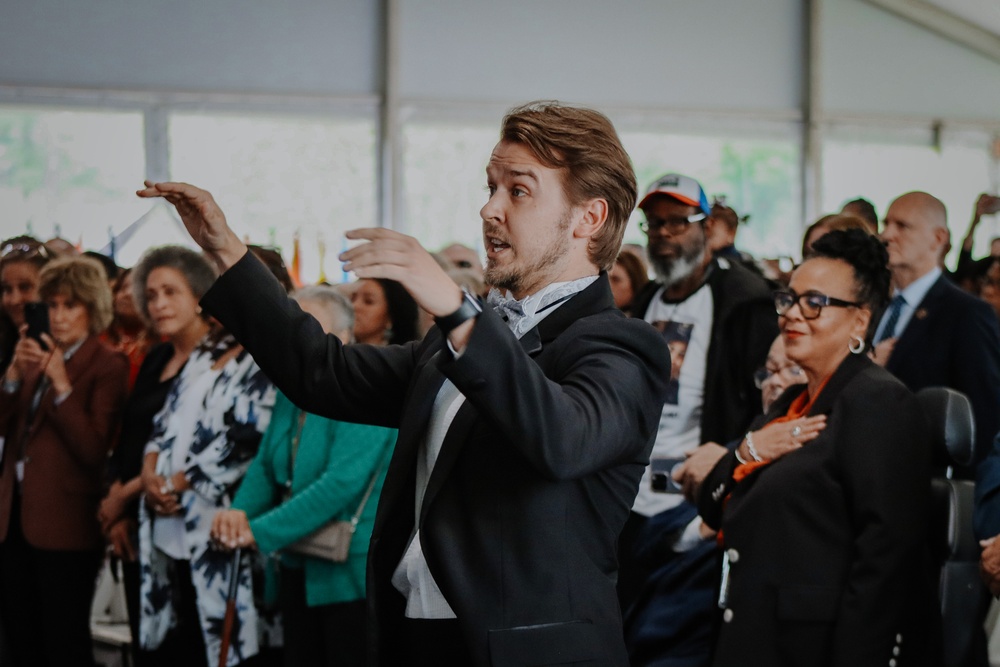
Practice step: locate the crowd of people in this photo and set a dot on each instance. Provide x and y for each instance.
(581, 452)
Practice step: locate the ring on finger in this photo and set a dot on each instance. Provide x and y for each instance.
(796, 431)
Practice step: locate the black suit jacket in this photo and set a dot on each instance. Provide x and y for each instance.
(953, 340)
(534, 480)
(827, 544)
(744, 324)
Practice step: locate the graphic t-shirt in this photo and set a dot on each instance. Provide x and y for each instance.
(686, 326)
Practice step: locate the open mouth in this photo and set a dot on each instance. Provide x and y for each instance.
(495, 246)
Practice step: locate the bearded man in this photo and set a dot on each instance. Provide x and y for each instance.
(723, 315)
(524, 423)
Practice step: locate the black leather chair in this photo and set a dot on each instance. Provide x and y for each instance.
(954, 549)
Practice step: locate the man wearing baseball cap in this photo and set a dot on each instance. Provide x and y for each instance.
(726, 314)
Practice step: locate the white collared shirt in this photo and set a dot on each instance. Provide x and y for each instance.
(412, 576)
(913, 294)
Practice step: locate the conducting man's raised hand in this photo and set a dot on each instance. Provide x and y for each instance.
(204, 220)
(389, 254)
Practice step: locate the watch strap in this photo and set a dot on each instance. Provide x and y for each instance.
(469, 309)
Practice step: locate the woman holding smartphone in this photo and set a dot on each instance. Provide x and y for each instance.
(21, 260)
(60, 404)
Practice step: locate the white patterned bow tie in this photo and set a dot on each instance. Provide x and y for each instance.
(511, 310)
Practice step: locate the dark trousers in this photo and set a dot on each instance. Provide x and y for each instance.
(668, 599)
(331, 635)
(45, 600)
(435, 643)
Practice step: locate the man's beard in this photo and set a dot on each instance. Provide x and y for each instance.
(671, 271)
(517, 278)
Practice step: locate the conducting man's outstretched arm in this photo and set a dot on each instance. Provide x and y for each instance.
(204, 220)
(388, 254)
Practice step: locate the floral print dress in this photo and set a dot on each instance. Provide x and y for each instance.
(220, 414)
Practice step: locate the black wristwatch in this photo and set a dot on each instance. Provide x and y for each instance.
(470, 308)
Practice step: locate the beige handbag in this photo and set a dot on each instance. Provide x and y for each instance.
(332, 540)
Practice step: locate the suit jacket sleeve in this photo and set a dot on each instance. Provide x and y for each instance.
(357, 383)
(717, 485)
(87, 420)
(610, 382)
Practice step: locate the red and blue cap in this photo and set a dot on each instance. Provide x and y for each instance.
(682, 188)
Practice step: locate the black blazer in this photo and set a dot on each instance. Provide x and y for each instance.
(953, 340)
(534, 481)
(744, 324)
(827, 544)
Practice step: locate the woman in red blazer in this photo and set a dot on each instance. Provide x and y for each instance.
(60, 404)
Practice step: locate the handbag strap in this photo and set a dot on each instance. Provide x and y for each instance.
(371, 487)
(294, 450)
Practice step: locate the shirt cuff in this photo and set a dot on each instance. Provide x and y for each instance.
(58, 400)
(690, 538)
(454, 353)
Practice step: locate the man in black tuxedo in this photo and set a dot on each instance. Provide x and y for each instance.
(524, 425)
(933, 333)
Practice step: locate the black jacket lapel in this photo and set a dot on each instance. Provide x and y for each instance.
(595, 298)
(916, 329)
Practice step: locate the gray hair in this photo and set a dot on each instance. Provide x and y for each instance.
(335, 303)
(197, 271)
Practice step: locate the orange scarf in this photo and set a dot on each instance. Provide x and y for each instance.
(800, 407)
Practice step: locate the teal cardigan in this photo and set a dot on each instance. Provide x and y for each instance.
(333, 467)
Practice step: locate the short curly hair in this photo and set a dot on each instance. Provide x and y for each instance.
(197, 271)
(83, 280)
(867, 256)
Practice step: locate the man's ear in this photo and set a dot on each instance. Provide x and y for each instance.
(942, 236)
(592, 214)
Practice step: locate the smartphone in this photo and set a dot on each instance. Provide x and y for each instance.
(36, 314)
(662, 479)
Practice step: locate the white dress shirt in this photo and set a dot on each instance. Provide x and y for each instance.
(912, 294)
(412, 576)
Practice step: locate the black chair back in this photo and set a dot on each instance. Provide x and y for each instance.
(954, 548)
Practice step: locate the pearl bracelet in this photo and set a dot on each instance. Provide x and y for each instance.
(751, 448)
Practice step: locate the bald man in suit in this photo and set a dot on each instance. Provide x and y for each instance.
(933, 333)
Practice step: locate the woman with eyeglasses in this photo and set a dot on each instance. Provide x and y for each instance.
(21, 260)
(824, 546)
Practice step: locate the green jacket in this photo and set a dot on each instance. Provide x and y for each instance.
(333, 467)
